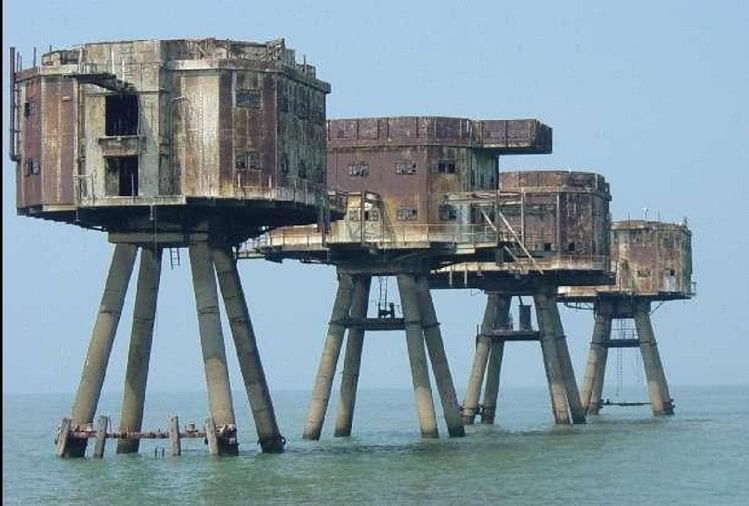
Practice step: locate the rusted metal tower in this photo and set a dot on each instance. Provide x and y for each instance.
(169, 144)
(653, 263)
(559, 221)
(422, 194)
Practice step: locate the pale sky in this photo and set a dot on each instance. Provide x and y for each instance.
(653, 95)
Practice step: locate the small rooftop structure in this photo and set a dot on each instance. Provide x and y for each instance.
(652, 261)
(105, 132)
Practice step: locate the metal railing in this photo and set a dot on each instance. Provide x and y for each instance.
(294, 190)
(310, 237)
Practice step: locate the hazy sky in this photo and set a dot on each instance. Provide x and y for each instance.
(651, 94)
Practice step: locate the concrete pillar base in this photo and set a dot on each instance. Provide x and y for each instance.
(100, 346)
(212, 343)
(480, 358)
(352, 358)
(329, 360)
(417, 356)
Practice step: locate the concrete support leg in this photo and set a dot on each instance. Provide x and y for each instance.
(139, 354)
(660, 399)
(331, 350)
(255, 384)
(590, 396)
(491, 389)
(100, 347)
(483, 345)
(417, 356)
(438, 358)
(212, 343)
(352, 358)
(550, 353)
(565, 363)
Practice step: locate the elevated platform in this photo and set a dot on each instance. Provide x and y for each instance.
(652, 261)
(375, 324)
(523, 276)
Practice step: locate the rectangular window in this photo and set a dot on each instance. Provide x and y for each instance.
(405, 167)
(360, 169)
(301, 109)
(28, 109)
(406, 214)
(121, 115)
(643, 273)
(446, 166)
(31, 166)
(240, 161)
(247, 160)
(283, 103)
(369, 215)
(121, 176)
(448, 212)
(248, 99)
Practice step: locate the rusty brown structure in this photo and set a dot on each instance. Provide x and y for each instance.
(106, 132)
(559, 221)
(197, 143)
(422, 194)
(653, 263)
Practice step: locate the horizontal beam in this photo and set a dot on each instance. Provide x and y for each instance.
(376, 324)
(621, 343)
(512, 335)
(89, 434)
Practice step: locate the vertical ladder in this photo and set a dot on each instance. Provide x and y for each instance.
(174, 260)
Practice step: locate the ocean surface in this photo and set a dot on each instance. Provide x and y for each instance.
(623, 456)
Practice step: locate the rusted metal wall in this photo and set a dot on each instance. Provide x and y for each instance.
(652, 258)
(558, 213)
(29, 180)
(214, 117)
(58, 138)
(447, 156)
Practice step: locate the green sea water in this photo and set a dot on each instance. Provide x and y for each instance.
(623, 456)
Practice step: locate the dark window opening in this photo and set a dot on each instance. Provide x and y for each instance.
(121, 113)
(406, 213)
(247, 160)
(32, 166)
(448, 212)
(240, 161)
(302, 170)
(248, 99)
(301, 109)
(122, 176)
(283, 103)
(446, 166)
(283, 170)
(643, 273)
(571, 246)
(359, 169)
(547, 246)
(372, 215)
(405, 168)
(28, 109)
